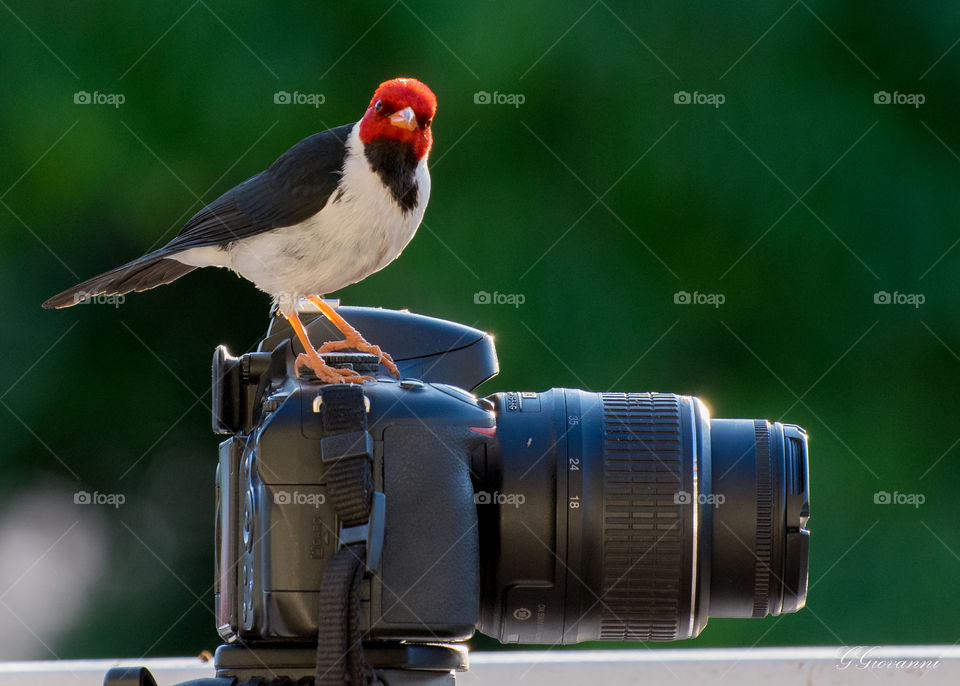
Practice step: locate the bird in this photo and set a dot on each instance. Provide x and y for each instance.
(334, 208)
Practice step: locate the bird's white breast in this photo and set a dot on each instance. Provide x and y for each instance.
(346, 241)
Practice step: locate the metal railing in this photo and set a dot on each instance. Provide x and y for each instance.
(743, 667)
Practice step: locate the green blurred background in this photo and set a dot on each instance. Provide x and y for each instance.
(797, 199)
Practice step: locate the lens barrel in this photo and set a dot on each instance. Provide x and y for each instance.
(635, 517)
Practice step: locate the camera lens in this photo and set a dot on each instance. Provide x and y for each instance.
(636, 517)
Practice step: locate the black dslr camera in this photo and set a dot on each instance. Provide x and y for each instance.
(365, 531)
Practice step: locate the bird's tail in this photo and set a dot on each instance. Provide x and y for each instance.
(144, 273)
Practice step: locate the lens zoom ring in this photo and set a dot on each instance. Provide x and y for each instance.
(642, 532)
(763, 547)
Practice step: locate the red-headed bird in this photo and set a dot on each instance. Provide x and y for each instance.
(333, 209)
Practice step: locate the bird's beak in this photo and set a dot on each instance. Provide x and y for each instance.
(405, 119)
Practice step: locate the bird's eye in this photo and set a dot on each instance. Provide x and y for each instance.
(426, 124)
(378, 106)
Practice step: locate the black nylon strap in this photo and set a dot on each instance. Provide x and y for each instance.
(340, 657)
(350, 484)
(343, 409)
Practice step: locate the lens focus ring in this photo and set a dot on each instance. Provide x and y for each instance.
(643, 507)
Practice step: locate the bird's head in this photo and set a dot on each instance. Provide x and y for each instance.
(401, 110)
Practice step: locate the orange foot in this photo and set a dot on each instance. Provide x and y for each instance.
(326, 373)
(354, 341)
(352, 338)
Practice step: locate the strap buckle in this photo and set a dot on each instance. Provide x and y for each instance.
(370, 532)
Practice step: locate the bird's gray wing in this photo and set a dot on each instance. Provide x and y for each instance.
(292, 189)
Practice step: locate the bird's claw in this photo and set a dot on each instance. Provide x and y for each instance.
(326, 373)
(360, 345)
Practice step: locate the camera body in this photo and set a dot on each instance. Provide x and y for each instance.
(511, 514)
(277, 526)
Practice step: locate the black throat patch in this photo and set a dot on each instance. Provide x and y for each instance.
(396, 165)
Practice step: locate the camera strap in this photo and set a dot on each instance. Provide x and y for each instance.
(347, 449)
